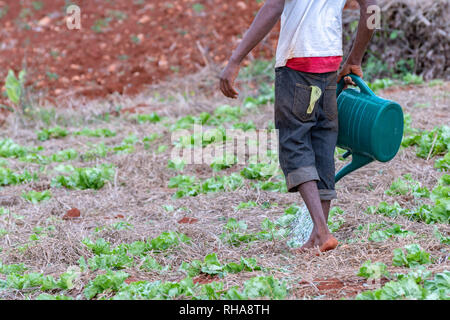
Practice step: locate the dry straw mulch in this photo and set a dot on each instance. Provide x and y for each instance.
(139, 190)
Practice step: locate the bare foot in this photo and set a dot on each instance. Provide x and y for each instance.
(330, 244)
(312, 242)
(315, 241)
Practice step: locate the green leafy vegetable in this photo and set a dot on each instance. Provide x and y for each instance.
(145, 118)
(264, 287)
(384, 234)
(190, 186)
(414, 285)
(35, 197)
(8, 177)
(405, 185)
(375, 270)
(111, 281)
(176, 164)
(168, 240)
(98, 133)
(441, 198)
(260, 171)
(440, 237)
(52, 133)
(235, 233)
(85, 178)
(150, 263)
(429, 143)
(414, 256)
(227, 161)
(14, 86)
(212, 266)
(12, 268)
(444, 163)
(10, 149)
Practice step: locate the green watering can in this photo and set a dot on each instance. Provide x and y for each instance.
(370, 128)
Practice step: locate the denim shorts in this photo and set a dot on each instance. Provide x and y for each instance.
(307, 137)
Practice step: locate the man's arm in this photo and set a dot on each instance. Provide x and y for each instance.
(363, 36)
(264, 21)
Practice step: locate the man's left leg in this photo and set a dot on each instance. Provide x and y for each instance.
(320, 235)
(323, 139)
(326, 204)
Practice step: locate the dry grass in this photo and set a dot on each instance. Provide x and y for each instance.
(139, 191)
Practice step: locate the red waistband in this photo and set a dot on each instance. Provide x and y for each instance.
(315, 64)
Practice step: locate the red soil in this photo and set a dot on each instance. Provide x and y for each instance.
(334, 288)
(134, 44)
(122, 46)
(71, 214)
(188, 220)
(205, 278)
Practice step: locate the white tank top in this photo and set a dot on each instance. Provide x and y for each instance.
(310, 28)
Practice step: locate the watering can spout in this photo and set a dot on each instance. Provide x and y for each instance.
(358, 161)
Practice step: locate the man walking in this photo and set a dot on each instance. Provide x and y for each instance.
(308, 57)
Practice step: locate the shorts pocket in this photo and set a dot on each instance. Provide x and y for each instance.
(302, 99)
(330, 103)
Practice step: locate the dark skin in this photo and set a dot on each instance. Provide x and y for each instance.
(264, 21)
(363, 36)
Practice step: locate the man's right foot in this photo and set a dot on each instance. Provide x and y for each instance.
(330, 244)
(324, 243)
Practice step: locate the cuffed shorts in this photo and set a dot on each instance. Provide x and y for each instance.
(307, 138)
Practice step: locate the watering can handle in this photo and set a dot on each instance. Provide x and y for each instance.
(359, 82)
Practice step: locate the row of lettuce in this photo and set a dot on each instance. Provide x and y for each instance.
(107, 270)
